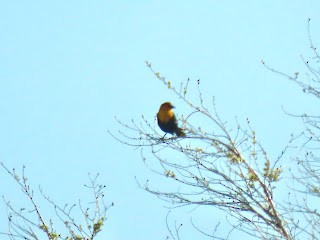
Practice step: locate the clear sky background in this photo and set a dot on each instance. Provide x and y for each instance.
(67, 68)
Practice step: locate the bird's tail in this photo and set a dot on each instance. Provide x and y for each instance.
(180, 132)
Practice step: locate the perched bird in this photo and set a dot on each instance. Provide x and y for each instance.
(167, 120)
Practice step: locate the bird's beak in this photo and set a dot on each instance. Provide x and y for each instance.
(172, 106)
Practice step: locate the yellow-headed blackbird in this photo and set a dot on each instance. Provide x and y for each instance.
(167, 120)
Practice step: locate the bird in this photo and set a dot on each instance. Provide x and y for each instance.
(167, 120)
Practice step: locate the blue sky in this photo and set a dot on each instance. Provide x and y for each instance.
(68, 67)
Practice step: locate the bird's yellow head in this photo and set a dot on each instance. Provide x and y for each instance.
(165, 113)
(167, 106)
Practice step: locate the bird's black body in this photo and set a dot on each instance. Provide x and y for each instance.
(169, 127)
